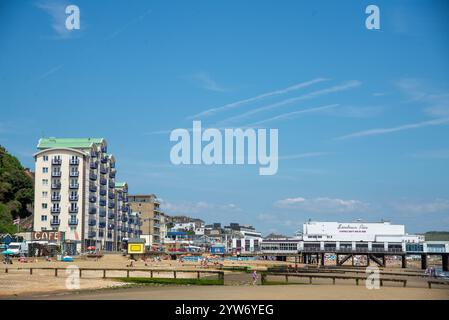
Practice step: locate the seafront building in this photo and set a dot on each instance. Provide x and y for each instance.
(128, 223)
(373, 240)
(242, 238)
(148, 207)
(75, 193)
(353, 236)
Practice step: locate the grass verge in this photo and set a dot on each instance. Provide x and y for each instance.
(171, 281)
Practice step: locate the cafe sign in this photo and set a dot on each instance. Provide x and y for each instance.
(51, 236)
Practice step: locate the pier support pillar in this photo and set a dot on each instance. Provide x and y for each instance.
(424, 261)
(445, 258)
(322, 259)
(384, 261)
(336, 259)
(404, 261)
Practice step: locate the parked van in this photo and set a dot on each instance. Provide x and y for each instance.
(18, 248)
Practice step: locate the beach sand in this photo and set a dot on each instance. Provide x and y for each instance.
(43, 283)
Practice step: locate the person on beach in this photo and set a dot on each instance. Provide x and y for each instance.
(254, 277)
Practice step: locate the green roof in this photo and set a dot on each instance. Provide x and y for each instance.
(120, 184)
(75, 143)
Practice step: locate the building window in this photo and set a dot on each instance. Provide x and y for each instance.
(45, 158)
(43, 218)
(44, 194)
(45, 170)
(45, 182)
(44, 206)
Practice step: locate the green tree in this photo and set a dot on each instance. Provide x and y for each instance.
(16, 187)
(6, 225)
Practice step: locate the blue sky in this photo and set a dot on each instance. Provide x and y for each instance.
(136, 70)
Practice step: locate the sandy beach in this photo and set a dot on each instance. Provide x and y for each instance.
(42, 284)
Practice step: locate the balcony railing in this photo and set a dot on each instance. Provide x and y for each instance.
(56, 161)
(111, 215)
(55, 210)
(73, 210)
(124, 218)
(73, 222)
(112, 173)
(103, 192)
(74, 186)
(103, 170)
(111, 195)
(112, 164)
(92, 210)
(103, 202)
(56, 185)
(93, 188)
(103, 181)
(92, 222)
(73, 197)
(74, 162)
(92, 234)
(102, 213)
(56, 173)
(125, 209)
(92, 199)
(93, 165)
(74, 173)
(102, 224)
(55, 222)
(93, 176)
(111, 205)
(104, 159)
(93, 153)
(56, 197)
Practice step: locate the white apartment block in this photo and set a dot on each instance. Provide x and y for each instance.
(75, 193)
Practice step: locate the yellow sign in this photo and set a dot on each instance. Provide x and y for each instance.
(136, 248)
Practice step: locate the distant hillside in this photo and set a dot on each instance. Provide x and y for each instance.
(437, 236)
(16, 191)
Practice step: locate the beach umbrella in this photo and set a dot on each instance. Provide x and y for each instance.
(7, 252)
(91, 248)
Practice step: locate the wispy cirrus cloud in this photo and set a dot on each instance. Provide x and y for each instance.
(56, 11)
(127, 25)
(334, 89)
(263, 96)
(294, 114)
(205, 81)
(304, 155)
(380, 131)
(323, 205)
(50, 72)
(354, 112)
(435, 101)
